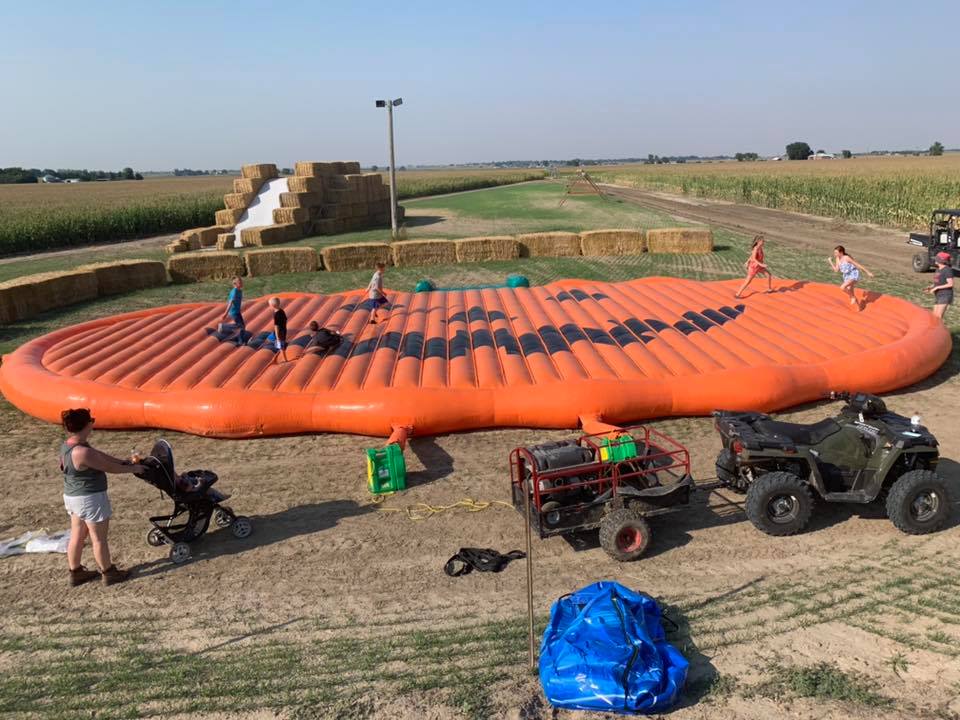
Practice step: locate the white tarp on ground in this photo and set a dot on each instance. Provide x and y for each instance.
(261, 209)
(34, 541)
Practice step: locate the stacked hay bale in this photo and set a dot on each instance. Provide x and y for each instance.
(338, 196)
(123, 276)
(275, 261)
(28, 296)
(196, 267)
(415, 253)
(612, 242)
(680, 240)
(494, 247)
(549, 244)
(356, 256)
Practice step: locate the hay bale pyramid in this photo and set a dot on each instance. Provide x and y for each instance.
(320, 198)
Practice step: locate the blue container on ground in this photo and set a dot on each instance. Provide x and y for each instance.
(604, 649)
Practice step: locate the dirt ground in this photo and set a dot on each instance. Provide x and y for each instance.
(332, 574)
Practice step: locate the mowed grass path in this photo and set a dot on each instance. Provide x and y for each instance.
(136, 666)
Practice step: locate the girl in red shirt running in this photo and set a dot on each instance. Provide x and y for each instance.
(755, 266)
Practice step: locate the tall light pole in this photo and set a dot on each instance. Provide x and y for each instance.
(389, 105)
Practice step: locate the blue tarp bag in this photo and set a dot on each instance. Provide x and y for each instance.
(604, 649)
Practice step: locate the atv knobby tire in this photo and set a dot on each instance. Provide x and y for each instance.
(624, 535)
(779, 503)
(918, 502)
(921, 262)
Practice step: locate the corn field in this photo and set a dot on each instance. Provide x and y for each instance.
(34, 218)
(881, 191)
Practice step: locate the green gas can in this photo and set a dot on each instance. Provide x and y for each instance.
(386, 469)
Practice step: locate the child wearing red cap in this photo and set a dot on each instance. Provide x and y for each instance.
(942, 286)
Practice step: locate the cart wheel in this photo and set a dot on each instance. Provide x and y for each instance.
(624, 535)
(180, 553)
(155, 538)
(241, 527)
(550, 512)
(222, 517)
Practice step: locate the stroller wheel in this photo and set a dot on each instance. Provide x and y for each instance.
(222, 517)
(155, 538)
(241, 527)
(180, 553)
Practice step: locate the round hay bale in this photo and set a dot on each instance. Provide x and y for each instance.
(414, 253)
(549, 244)
(612, 242)
(685, 241)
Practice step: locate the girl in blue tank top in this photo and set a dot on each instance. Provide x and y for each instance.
(849, 270)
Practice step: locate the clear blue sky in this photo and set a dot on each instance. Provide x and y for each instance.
(216, 84)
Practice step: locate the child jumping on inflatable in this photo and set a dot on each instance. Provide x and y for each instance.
(279, 329)
(756, 266)
(236, 327)
(376, 297)
(849, 269)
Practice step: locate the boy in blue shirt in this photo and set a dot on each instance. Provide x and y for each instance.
(233, 314)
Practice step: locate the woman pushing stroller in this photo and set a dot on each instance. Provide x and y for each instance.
(85, 498)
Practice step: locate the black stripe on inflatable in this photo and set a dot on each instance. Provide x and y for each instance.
(459, 344)
(685, 327)
(507, 341)
(552, 339)
(476, 313)
(572, 333)
(495, 315)
(412, 345)
(349, 307)
(458, 317)
(563, 295)
(482, 338)
(578, 294)
(623, 336)
(699, 320)
(436, 347)
(343, 349)
(656, 325)
(598, 336)
(531, 344)
(717, 317)
(391, 340)
(365, 346)
(636, 327)
(730, 312)
(600, 296)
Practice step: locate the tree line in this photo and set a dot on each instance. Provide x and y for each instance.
(19, 175)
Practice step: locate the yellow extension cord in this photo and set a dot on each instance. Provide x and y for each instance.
(423, 511)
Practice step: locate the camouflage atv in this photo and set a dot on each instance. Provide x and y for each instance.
(862, 455)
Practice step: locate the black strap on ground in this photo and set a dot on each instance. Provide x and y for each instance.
(483, 559)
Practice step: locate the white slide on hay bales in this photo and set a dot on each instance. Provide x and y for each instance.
(260, 211)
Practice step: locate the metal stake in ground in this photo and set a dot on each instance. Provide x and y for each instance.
(526, 526)
(389, 105)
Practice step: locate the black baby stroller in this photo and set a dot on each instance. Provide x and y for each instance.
(192, 509)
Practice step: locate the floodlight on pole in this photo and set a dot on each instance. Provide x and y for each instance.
(389, 105)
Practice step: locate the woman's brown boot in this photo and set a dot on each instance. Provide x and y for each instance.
(80, 575)
(113, 575)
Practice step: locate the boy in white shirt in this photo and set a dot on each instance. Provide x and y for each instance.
(375, 294)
